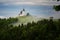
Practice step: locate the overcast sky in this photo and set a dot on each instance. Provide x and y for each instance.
(31, 2)
(6, 6)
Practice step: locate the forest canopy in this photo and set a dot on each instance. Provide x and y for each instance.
(46, 29)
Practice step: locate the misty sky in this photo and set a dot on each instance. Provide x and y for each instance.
(40, 8)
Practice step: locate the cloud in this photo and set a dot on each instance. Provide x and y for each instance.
(26, 0)
(30, 2)
(2, 17)
(56, 14)
(19, 3)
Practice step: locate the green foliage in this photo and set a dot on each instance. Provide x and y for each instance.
(57, 8)
(58, 0)
(45, 29)
(6, 22)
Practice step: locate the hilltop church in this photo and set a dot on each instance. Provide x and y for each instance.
(23, 13)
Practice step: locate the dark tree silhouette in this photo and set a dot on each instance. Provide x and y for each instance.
(58, 0)
(46, 29)
(57, 8)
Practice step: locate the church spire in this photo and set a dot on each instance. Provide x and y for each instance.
(23, 9)
(23, 13)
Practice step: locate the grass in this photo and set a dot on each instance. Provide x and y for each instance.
(25, 19)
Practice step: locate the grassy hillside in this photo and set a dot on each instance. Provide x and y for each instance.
(26, 19)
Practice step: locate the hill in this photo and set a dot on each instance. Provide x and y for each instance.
(26, 19)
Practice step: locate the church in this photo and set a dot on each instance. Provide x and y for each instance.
(22, 13)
